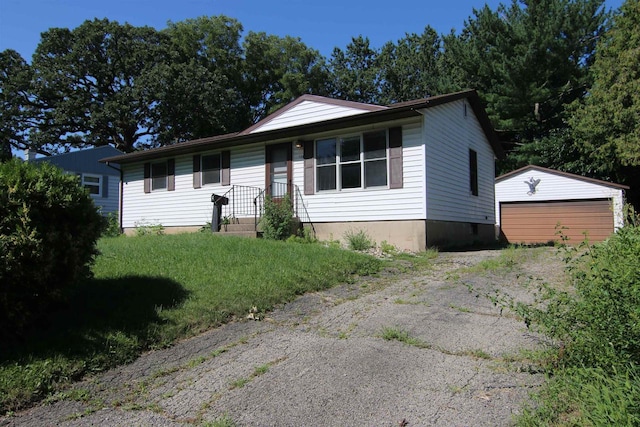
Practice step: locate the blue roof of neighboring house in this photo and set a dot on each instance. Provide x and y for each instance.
(84, 161)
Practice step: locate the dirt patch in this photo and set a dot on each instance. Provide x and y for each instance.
(322, 359)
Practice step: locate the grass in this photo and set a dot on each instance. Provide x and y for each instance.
(395, 334)
(508, 258)
(149, 291)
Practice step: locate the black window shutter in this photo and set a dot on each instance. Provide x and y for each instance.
(196, 171)
(171, 174)
(395, 158)
(147, 177)
(105, 186)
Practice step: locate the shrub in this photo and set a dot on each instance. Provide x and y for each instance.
(144, 228)
(358, 240)
(111, 225)
(277, 222)
(599, 324)
(48, 230)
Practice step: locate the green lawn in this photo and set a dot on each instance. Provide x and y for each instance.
(149, 291)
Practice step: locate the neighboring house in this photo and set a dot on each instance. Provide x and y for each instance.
(102, 181)
(533, 203)
(415, 174)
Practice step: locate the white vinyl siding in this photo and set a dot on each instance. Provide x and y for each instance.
(108, 204)
(377, 203)
(186, 206)
(308, 112)
(449, 135)
(554, 187)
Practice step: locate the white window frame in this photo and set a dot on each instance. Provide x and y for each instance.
(86, 184)
(362, 161)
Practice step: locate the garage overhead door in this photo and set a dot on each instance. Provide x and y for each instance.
(536, 222)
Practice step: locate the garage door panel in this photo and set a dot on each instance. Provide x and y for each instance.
(536, 222)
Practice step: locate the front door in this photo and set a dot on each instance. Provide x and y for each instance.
(278, 170)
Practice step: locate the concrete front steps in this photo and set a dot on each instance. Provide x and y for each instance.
(243, 227)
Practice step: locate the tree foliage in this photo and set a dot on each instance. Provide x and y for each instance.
(136, 87)
(15, 78)
(355, 75)
(607, 126)
(279, 69)
(528, 60)
(198, 86)
(89, 85)
(412, 68)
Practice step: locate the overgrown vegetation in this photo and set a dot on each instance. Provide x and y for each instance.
(174, 287)
(358, 240)
(111, 225)
(277, 222)
(595, 374)
(48, 231)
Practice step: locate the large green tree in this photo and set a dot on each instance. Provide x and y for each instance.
(15, 83)
(199, 87)
(411, 68)
(528, 60)
(89, 87)
(355, 74)
(278, 70)
(606, 128)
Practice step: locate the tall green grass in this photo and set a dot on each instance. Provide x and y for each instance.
(149, 291)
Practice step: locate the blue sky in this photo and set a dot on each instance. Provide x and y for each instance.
(321, 25)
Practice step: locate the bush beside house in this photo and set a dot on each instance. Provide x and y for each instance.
(48, 232)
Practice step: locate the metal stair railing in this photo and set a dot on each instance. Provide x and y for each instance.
(241, 202)
(278, 190)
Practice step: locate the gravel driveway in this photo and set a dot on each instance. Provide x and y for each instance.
(322, 359)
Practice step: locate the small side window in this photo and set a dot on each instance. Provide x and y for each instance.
(93, 183)
(473, 172)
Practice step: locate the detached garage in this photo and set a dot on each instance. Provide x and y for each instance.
(532, 201)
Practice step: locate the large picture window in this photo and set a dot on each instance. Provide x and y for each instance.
(211, 166)
(159, 176)
(358, 161)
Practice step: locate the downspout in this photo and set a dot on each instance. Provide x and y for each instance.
(119, 195)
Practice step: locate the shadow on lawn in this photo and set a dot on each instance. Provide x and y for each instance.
(98, 314)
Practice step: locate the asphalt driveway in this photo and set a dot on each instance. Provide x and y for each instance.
(323, 360)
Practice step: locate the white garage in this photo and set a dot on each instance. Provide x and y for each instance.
(533, 203)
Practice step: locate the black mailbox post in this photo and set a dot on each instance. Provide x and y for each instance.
(217, 201)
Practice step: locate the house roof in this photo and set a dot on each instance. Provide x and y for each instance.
(371, 114)
(84, 161)
(559, 173)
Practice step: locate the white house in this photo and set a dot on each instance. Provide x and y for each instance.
(534, 203)
(415, 174)
(102, 181)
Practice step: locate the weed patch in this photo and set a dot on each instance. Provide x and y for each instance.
(595, 368)
(358, 240)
